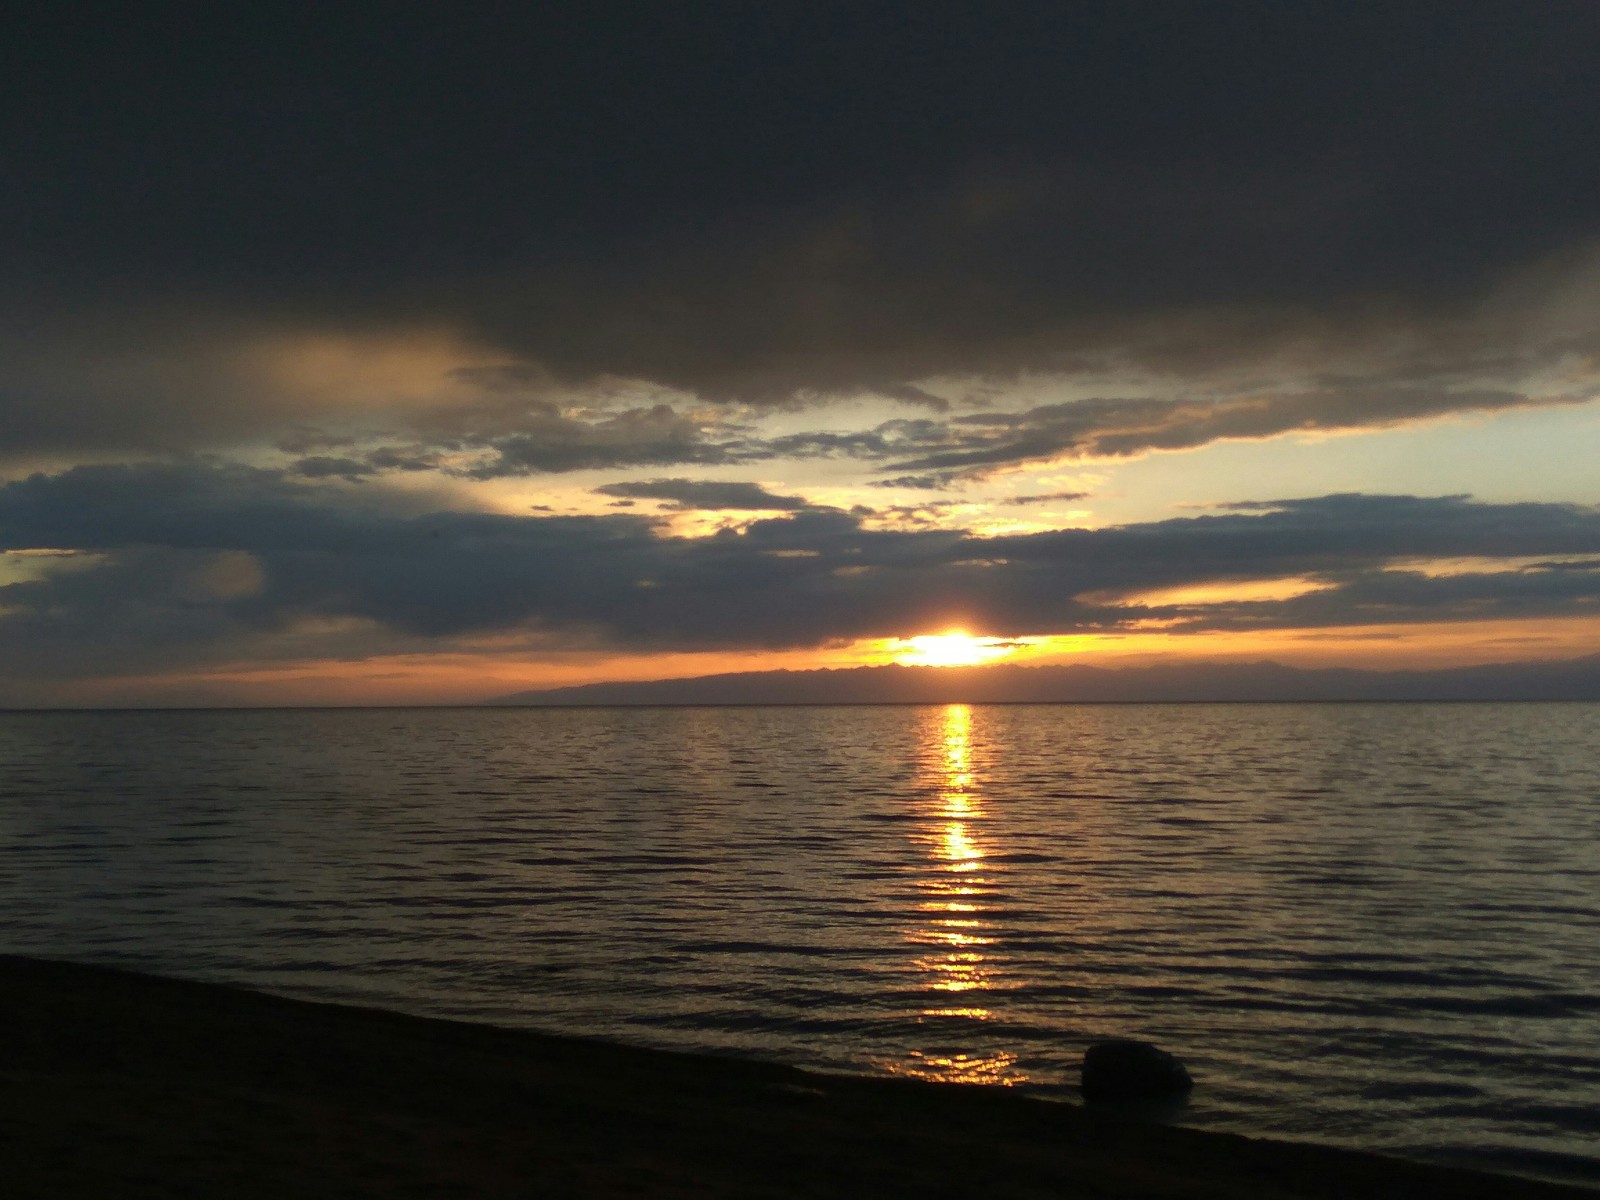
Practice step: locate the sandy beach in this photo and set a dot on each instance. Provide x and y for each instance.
(117, 1084)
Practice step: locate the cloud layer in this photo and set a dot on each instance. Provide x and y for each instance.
(300, 332)
(199, 563)
(791, 205)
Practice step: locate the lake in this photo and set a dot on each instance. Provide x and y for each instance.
(1372, 925)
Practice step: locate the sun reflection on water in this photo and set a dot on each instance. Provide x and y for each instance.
(963, 1068)
(958, 967)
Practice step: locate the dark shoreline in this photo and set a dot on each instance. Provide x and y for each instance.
(131, 1085)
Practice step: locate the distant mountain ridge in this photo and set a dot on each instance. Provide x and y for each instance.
(1564, 679)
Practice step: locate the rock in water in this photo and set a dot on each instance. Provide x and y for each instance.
(1127, 1070)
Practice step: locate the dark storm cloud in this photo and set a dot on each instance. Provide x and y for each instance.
(190, 563)
(762, 202)
(1047, 498)
(1327, 535)
(544, 442)
(640, 436)
(926, 483)
(708, 495)
(375, 462)
(117, 378)
(978, 443)
(941, 451)
(936, 452)
(929, 515)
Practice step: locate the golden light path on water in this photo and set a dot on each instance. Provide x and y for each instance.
(956, 967)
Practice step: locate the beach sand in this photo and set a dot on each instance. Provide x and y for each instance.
(124, 1085)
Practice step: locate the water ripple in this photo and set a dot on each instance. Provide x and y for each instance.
(1364, 924)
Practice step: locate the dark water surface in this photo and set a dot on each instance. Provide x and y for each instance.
(1374, 925)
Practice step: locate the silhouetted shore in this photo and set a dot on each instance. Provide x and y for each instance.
(129, 1085)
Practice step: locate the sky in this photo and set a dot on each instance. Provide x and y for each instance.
(429, 354)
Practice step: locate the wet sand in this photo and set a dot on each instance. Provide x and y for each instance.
(115, 1084)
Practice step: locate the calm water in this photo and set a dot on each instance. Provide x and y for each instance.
(1372, 925)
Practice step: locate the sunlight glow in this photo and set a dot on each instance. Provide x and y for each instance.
(953, 649)
(1232, 591)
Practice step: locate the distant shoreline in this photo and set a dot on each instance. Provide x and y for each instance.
(502, 705)
(1263, 682)
(125, 1084)
(1538, 681)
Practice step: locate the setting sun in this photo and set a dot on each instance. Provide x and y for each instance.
(954, 649)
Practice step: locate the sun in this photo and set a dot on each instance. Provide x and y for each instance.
(953, 649)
